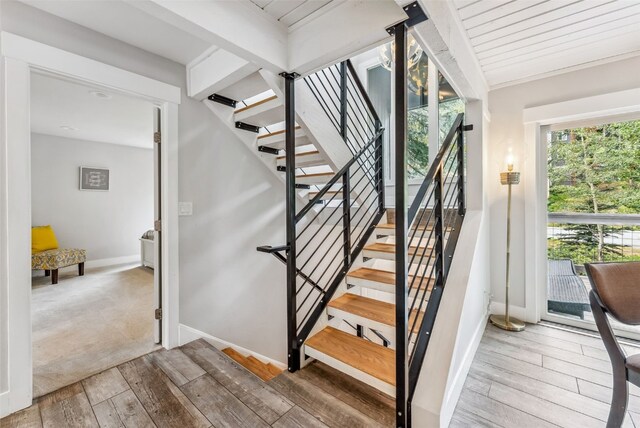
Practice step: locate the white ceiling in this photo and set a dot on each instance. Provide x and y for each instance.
(516, 40)
(290, 12)
(125, 22)
(119, 119)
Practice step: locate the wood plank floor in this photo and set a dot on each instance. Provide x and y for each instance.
(542, 377)
(197, 385)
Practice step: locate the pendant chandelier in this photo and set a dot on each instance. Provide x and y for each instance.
(387, 53)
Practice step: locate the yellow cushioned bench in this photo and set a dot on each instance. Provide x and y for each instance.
(45, 254)
(52, 260)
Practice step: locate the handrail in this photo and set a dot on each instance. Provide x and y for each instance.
(428, 179)
(447, 211)
(319, 254)
(612, 219)
(363, 92)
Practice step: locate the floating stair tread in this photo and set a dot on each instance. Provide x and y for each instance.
(315, 152)
(365, 307)
(391, 248)
(393, 226)
(375, 310)
(383, 276)
(250, 363)
(320, 174)
(274, 133)
(250, 106)
(368, 357)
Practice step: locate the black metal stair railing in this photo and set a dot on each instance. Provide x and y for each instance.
(326, 235)
(434, 218)
(426, 235)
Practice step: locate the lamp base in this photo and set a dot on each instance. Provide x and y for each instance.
(514, 324)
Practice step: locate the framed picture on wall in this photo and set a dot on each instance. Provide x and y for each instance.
(92, 178)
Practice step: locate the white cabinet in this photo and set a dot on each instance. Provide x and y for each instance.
(147, 251)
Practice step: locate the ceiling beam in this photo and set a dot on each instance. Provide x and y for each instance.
(341, 32)
(238, 27)
(447, 44)
(214, 71)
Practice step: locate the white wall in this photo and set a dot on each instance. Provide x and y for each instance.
(227, 289)
(507, 131)
(106, 224)
(4, 348)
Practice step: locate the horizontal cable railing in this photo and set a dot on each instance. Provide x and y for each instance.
(593, 237)
(326, 235)
(434, 219)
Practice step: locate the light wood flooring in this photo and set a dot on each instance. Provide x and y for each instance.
(542, 377)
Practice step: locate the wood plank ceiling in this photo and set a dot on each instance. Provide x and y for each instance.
(516, 40)
(290, 12)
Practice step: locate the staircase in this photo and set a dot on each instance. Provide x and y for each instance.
(253, 109)
(350, 319)
(363, 283)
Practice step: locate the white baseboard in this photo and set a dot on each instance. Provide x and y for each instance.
(4, 404)
(89, 264)
(516, 311)
(459, 378)
(188, 334)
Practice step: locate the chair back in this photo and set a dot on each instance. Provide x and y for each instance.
(618, 286)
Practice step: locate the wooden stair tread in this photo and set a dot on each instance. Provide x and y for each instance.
(266, 100)
(250, 363)
(315, 152)
(320, 174)
(271, 134)
(235, 355)
(368, 357)
(393, 226)
(275, 371)
(260, 369)
(391, 248)
(375, 310)
(385, 277)
(365, 307)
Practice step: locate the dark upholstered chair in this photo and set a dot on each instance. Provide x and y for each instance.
(616, 290)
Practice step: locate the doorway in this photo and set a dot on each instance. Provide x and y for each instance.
(95, 196)
(21, 58)
(593, 203)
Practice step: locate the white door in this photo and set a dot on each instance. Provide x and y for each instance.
(157, 258)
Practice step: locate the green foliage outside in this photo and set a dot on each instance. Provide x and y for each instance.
(594, 170)
(418, 134)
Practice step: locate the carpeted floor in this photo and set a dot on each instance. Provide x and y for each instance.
(84, 325)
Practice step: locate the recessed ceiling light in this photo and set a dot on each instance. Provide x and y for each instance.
(99, 94)
(68, 128)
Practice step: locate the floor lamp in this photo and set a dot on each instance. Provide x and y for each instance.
(506, 322)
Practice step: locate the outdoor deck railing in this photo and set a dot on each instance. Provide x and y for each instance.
(589, 237)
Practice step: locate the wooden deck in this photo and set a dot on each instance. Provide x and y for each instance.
(542, 377)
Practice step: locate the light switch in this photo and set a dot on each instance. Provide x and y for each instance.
(185, 208)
